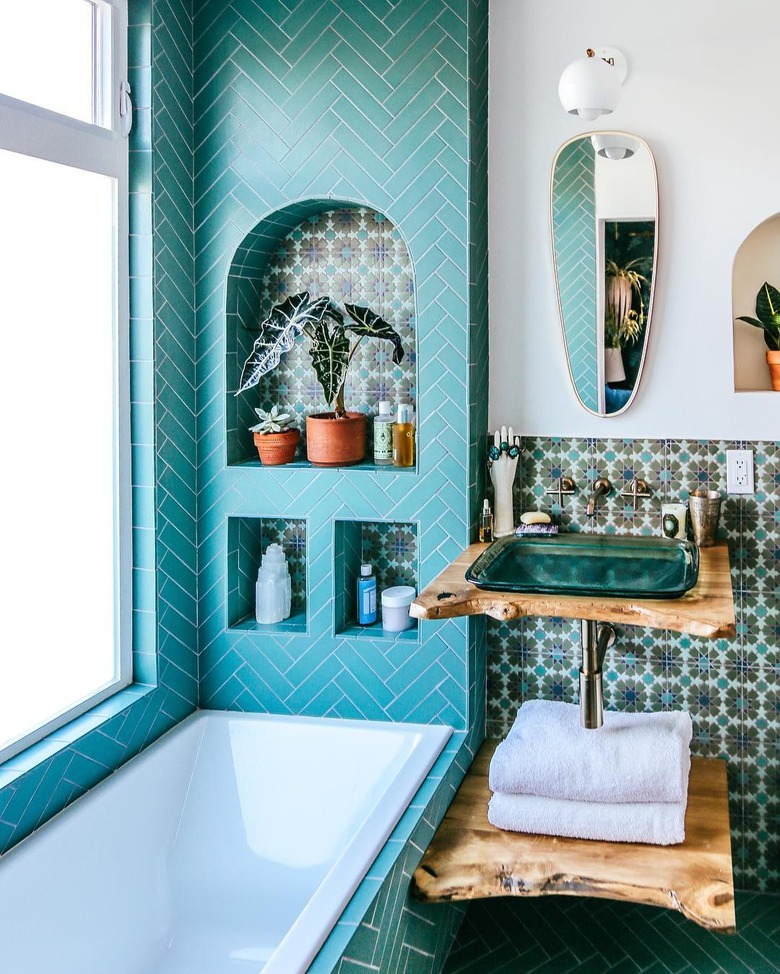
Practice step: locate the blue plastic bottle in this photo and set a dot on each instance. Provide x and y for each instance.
(366, 596)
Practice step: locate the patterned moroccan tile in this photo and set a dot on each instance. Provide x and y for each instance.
(726, 685)
(694, 464)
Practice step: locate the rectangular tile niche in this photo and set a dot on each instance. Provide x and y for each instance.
(390, 547)
(248, 538)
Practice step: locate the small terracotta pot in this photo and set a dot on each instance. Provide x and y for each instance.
(332, 442)
(773, 361)
(277, 448)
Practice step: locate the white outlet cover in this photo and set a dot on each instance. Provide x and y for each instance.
(739, 472)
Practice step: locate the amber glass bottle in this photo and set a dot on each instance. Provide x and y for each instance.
(403, 437)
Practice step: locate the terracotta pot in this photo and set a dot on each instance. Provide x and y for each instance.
(613, 365)
(277, 448)
(332, 442)
(773, 361)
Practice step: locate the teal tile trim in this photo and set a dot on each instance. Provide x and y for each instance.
(45, 779)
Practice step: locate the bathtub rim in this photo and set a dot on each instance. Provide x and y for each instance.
(308, 926)
(366, 845)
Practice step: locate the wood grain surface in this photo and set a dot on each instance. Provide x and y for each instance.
(469, 858)
(707, 610)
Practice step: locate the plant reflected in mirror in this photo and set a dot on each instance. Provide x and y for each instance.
(604, 213)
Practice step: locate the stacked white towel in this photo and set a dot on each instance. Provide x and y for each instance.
(625, 782)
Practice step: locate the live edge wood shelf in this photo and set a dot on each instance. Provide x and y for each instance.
(707, 610)
(471, 859)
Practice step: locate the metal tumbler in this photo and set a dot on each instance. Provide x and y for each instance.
(704, 506)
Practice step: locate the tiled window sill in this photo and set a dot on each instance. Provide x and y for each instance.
(68, 734)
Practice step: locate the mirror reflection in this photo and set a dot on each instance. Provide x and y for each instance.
(604, 213)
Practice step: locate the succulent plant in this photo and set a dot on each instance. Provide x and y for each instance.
(767, 315)
(272, 421)
(326, 327)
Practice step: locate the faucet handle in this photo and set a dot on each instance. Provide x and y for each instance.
(637, 488)
(561, 487)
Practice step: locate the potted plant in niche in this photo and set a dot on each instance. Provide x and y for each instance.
(768, 319)
(623, 322)
(337, 437)
(276, 438)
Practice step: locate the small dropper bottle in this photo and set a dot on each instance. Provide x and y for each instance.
(486, 522)
(403, 436)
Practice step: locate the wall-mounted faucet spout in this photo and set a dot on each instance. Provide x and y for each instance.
(595, 640)
(601, 488)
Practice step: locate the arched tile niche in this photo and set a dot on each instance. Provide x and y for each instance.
(327, 247)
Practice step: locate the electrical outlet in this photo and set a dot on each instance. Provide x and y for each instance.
(739, 472)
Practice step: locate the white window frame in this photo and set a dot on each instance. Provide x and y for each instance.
(34, 131)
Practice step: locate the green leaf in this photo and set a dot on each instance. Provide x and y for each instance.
(768, 306)
(330, 356)
(751, 321)
(278, 333)
(366, 323)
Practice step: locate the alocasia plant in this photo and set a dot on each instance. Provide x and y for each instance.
(326, 327)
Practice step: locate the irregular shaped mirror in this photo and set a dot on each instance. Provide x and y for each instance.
(604, 215)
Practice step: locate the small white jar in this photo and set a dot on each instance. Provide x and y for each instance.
(395, 608)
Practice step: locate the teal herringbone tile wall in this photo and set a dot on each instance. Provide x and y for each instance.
(574, 215)
(300, 107)
(46, 778)
(398, 934)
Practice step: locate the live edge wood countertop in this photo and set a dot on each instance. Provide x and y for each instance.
(707, 610)
(471, 859)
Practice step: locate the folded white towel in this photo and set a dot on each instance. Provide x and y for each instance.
(631, 758)
(657, 823)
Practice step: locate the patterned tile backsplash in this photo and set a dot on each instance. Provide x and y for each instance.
(730, 687)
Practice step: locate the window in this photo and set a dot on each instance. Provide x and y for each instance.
(64, 413)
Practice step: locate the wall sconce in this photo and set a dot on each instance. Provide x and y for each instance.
(590, 86)
(609, 145)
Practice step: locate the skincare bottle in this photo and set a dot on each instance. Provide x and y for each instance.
(486, 522)
(383, 434)
(403, 436)
(366, 596)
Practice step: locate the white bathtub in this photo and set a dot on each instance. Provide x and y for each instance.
(230, 846)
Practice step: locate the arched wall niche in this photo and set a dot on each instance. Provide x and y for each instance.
(757, 260)
(327, 247)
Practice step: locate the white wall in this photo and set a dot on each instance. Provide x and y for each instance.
(702, 89)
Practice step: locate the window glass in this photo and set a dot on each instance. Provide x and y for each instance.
(50, 54)
(58, 431)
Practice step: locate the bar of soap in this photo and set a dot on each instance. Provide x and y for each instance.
(535, 517)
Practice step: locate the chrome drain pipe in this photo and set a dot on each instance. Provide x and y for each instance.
(595, 639)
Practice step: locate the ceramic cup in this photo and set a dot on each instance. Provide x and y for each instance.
(704, 506)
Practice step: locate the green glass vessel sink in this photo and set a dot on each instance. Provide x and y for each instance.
(588, 564)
